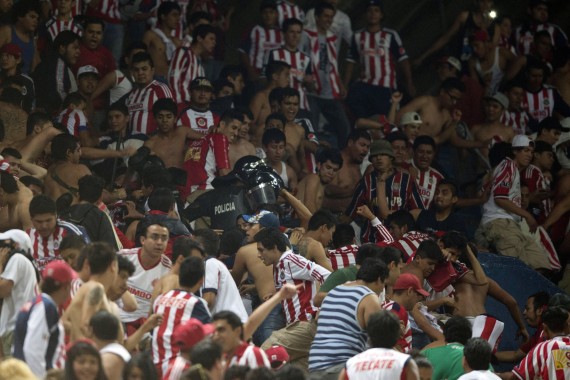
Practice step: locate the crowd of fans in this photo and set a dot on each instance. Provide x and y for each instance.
(118, 118)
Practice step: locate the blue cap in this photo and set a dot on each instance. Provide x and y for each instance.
(264, 218)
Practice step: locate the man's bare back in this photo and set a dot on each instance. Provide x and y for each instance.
(170, 148)
(433, 116)
(311, 192)
(260, 108)
(239, 148)
(295, 151)
(247, 260)
(17, 215)
(69, 174)
(470, 297)
(313, 250)
(492, 131)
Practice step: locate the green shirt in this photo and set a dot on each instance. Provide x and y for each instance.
(446, 361)
(339, 277)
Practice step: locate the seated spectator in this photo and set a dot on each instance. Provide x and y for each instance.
(441, 217)
(476, 360)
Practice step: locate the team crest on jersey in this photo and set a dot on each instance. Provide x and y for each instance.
(396, 187)
(201, 122)
(546, 102)
(282, 275)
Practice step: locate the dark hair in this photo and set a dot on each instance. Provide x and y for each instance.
(343, 235)
(275, 67)
(477, 352)
(125, 265)
(289, 372)
(156, 176)
(232, 114)
(273, 135)
(166, 7)
(287, 23)
(12, 152)
(205, 353)
(49, 285)
(320, 218)
(191, 271)
(289, 92)
(209, 240)
(397, 136)
(79, 348)
(194, 17)
(366, 251)
(537, 64)
(230, 317)
(236, 372)
(141, 57)
(499, 152)
(260, 373)
(8, 183)
(402, 218)
(35, 118)
(371, 270)
(183, 246)
(322, 6)
(105, 326)
(560, 299)
(202, 31)
(383, 328)
(231, 241)
(423, 140)
(232, 71)
(165, 104)
(275, 116)
(100, 256)
(148, 224)
(142, 361)
(509, 85)
(119, 106)
(540, 299)
(161, 199)
(64, 39)
(93, 20)
(272, 238)
(391, 255)
(449, 183)
(29, 180)
(90, 188)
(72, 242)
(220, 83)
(454, 239)
(61, 144)
(429, 249)
(457, 330)
(21, 8)
(329, 154)
(555, 318)
(359, 134)
(452, 84)
(41, 204)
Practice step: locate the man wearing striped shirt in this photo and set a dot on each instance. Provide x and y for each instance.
(300, 312)
(343, 320)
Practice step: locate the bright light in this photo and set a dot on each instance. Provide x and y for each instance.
(492, 14)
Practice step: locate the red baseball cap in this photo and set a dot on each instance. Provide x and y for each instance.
(408, 280)
(277, 355)
(11, 49)
(186, 335)
(59, 271)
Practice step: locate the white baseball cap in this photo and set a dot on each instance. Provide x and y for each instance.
(411, 118)
(522, 141)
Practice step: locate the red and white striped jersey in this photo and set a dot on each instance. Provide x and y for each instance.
(286, 10)
(343, 257)
(74, 120)
(488, 328)
(506, 184)
(77, 8)
(249, 355)
(176, 306)
(200, 121)
(140, 102)
(426, 182)
(535, 363)
(259, 43)
(408, 244)
(108, 10)
(405, 342)
(378, 54)
(300, 66)
(558, 364)
(540, 104)
(377, 364)
(517, 120)
(46, 249)
(184, 67)
(536, 181)
(141, 283)
(176, 368)
(524, 36)
(295, 269)
(204, 159)
(55, 26)
(327, 65)
(178, 32)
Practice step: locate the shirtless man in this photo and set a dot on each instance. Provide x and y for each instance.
(91, 297)
(427, 256)
(311, 189)
(294, 133)
(318, 236)
(241, 146)
(471, 290)
(278, 74)
(273, 142)
(14, 201)
(338, 193)
(161, 44)
(169, 143)
(492, 129)
(63, 175)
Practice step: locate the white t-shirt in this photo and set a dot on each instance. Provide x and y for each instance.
(479, 375)
(116, 349)
(21, 271)
(141, 283)
(219, 280)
